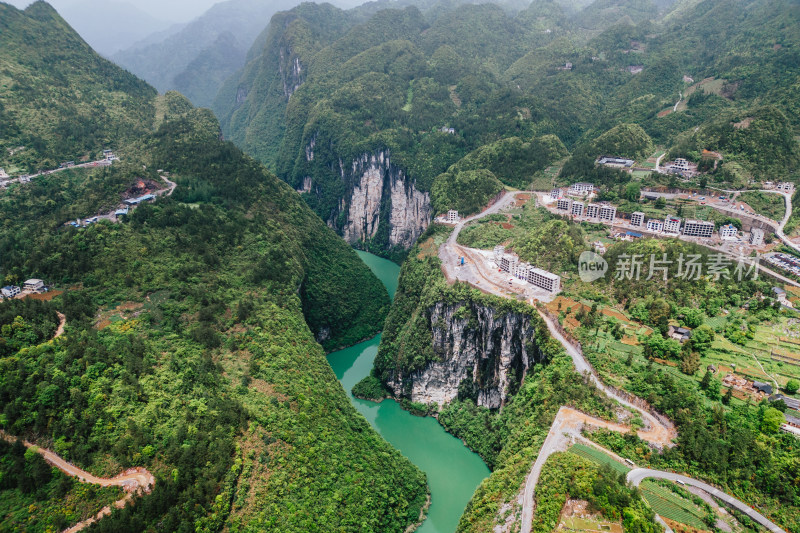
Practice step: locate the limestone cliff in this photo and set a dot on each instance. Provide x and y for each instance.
(380, 203)
(479, 352)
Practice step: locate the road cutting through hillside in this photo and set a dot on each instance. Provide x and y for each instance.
(568, 423)
(133, 481)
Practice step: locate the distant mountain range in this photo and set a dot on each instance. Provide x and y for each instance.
(110, 26)
(199, 56)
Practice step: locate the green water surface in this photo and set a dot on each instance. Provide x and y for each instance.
(453, 470)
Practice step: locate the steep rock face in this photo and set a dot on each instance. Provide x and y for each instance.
(483, 354)
(291, 71)
(381, 196)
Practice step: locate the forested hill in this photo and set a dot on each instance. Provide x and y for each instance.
(191, 340)
(324, 87)
(58, 98)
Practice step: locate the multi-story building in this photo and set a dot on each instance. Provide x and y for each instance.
(698, 228)
(581, 189)
(576, 209)
(546, 280)
(452, 216)
(728, 231)
(10, 291)
(592, 210)
(655, 226)
(564, 204)
(756, 236)
(673, 225)
(680, 164)
(556, 193)
(607, 213)
(637, 219)
(34, 285)
(535, 276)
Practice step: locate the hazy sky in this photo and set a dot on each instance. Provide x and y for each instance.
(172, 10)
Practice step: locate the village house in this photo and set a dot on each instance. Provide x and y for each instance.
(728, 231)
(452, 216)
(581, 189)
(34, 285)
(10, 291)
(637, 219)
(655, 226)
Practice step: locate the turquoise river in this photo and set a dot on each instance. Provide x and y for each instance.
(453, 470)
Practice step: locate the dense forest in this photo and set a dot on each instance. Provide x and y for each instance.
(196, 330)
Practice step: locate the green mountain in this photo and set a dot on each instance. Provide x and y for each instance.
(344, 105)
(193, 327)
(59, 99)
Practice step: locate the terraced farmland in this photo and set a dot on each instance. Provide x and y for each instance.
(669, 505)
(596, 456)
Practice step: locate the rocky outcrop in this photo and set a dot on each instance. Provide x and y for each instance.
(482, 354)
(381, 196)
(291, 71)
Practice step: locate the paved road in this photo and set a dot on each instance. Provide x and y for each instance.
(568, 422)
(566, 429)
(637, 475)
(24, 179)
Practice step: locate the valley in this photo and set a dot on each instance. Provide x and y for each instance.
(416, 265)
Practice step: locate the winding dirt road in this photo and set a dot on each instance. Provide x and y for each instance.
(62, 321)
(133, 480)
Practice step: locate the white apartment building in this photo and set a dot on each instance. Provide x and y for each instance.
(655, 226)
(543, 279)
(592, 210)
(564, 204)
(581, 189)
(673, 225)
(556, 193)
(637, 219)
(452, 216)
(698, 228)
(756, 237)
(576, 209)
(728, 231)
(607, 213)
(535, 276)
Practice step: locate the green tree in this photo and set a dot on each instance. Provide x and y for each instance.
(690, 363)
(633, 191)
(706, 381)
(702, 338)
(792, 386)
(771, 420)
(728, 396)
